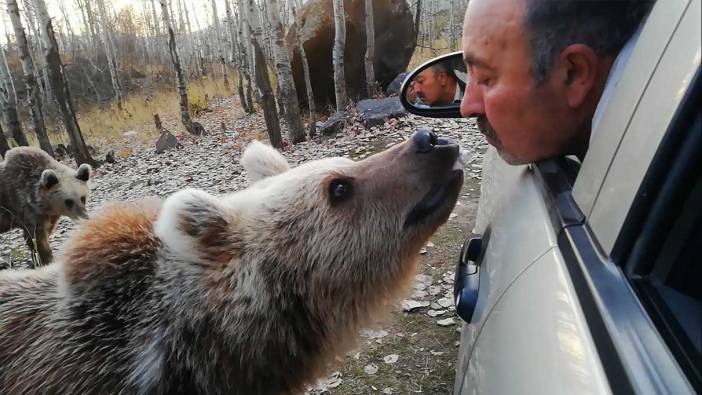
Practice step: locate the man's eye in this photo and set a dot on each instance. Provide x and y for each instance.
(485, 82)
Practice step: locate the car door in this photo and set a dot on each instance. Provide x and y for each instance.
(538, 327)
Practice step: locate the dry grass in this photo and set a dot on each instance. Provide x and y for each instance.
(442, 47)
(108, 123)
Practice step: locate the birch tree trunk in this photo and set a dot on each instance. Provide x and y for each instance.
(4, 146)
(200, 59)
(261, 72)
(239, 60)
(296, 130)
(34, 102)
(180, 83)
(452, 25)
(110, 53)
(312, 128)
(338, 55)
(370, 50)
(41, 73)
(220, 53)
(417, 19)
(60, 86)
(247, 45)
(8, 102)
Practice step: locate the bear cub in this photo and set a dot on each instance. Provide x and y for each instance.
(35, 191)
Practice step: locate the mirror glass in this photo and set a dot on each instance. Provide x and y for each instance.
(437, 87)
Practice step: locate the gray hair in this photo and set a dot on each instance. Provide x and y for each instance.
(603, 25)
(445, 67)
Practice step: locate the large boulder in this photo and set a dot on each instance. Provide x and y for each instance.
(394, 44)
(396, 85)
(374, 112)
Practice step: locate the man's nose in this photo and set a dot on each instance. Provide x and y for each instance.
(472, 104)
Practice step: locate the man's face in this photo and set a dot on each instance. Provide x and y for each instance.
(524, 120)
(434, 88)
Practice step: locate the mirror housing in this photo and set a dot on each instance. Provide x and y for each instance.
(451, 71)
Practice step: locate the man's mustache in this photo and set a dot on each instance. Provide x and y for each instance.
(487, 129)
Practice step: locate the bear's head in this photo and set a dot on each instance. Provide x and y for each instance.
(66, 190)
(343, 232)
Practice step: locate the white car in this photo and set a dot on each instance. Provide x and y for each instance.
(587, 277)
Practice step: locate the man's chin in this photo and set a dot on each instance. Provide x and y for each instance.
(511, 159)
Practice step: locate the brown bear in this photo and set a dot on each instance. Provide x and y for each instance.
(254, 292)
(35, 191)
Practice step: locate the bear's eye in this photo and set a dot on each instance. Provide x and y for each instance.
(82, 199)
(68, 203)
(339, 190)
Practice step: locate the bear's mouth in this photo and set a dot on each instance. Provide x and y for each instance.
(439, 201)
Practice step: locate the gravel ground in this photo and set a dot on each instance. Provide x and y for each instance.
(413, 351)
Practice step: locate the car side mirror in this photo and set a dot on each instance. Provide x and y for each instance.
(435, 88)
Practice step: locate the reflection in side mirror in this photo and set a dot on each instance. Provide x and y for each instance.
(435, 89)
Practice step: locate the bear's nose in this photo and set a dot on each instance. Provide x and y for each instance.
(424, 140)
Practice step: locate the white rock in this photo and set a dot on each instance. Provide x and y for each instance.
(409, 305)
(422, 281)
(446, 322)
(374, 334)
(445, 302)
(435, 313)
(434, 290)
(390, 359)
(419, 294)
(371, 369)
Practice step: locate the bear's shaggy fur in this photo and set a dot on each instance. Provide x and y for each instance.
(35, 191)
(254, 292)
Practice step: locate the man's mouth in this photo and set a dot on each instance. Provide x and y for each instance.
(487, 130)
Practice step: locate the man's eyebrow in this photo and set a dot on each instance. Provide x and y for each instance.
(471, 60)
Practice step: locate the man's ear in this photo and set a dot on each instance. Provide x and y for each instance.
(261, 161)
(581, 64)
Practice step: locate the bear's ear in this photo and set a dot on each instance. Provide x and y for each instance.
(49, 178)
(83, 172)
(261, 161)
(194, 226)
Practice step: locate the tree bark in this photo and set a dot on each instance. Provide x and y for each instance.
(182, 89)
(417, 19)
(338, 55)
(370, 50)
(262, 80)
(34, 102)
(296, 130)
(247, 44)
(8, 102)
(60, 86)
(452, 25)
(4, 146)
(110, 53)
(236, 57)
(312, 127)
(218, 33)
